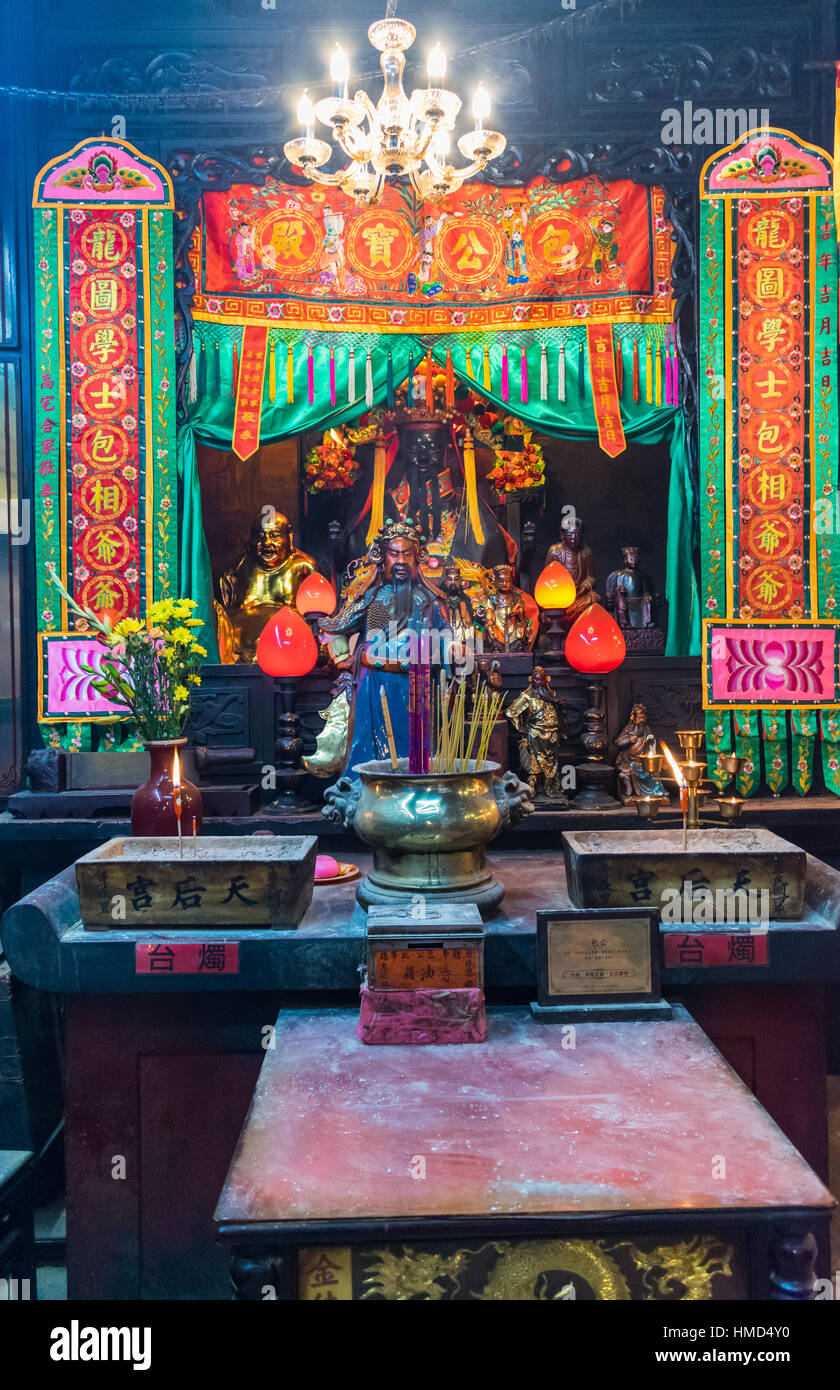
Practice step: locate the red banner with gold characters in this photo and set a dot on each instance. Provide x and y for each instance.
(771, 406)
(605, 388)
(483, 258)
(104, 411)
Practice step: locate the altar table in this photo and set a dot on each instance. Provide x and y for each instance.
(612, 1161)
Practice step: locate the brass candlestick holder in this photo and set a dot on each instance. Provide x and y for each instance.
(730, 807)
(692, 772)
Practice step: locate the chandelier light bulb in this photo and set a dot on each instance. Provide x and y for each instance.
(340, 70)
(436, 66)
(306, 114)
(481, 106)
(442, 145)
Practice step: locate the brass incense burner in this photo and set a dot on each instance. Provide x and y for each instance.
(428, 831)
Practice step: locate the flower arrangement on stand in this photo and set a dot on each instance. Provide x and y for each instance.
(516, 469)
(151, 668)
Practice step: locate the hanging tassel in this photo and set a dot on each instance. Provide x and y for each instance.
(543, 375)
(368, 382)
(470, 372)
(471, 489)
(648, 373)
(290, 376)
(658, 376)
(561, 373)
(505, 383)
(636, 369)
(377, 501)
(234, 376)
(217, 370)
(310, 375)
(581, 377)
(332, 377)
(523, 390)
(389, 381)
(192, 392)
(667, 351)
(450, 382)
(430, 376)
(272, 373)
(410, 380)
(675, 376)
(351, 377)
(619, 368)
(202, 370)
(486, 369)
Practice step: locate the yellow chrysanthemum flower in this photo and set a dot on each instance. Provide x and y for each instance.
(181, 635)
(181, 693)
(194, 677)
(197, 650)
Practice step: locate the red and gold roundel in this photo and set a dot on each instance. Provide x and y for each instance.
(105, 547)
(770, 285)
(103, 498)
(104, 345)
(769, 334)
(769, 231)
(104, 243)
(559, 242)
(770, 537)
(102, 446)
(107, 593)
(770, 486)
(768, 435)
(289, 242)
(769, 588)
(380, 245)
(103, 296)
(469, 249)
(102, 395)
(770, 385)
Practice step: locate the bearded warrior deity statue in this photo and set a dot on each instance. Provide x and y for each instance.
(395, 613)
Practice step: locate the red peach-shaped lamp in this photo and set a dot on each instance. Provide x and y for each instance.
(554, 591)
(287, 650)
(315, 595)
(595, 646)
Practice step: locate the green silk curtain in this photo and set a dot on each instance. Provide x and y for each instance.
(212, 419)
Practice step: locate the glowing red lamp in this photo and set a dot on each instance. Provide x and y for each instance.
(555, 587)
(286, 646)
(595, 645)
(315, 595)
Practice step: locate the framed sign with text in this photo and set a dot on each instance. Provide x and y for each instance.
(598, 956)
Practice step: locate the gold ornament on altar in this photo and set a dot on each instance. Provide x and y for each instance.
(266, 577)
(539, 718)
(503, 614)
(403, 135)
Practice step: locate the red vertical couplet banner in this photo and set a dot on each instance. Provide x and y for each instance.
(604, 388)
(770, 407)
(103, 376)
(246, 425)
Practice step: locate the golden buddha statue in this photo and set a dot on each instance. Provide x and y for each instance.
(266, 577)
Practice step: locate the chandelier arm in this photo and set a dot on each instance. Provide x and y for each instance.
(467, 171)
(369, 109)
(354, 146)
(330, 180)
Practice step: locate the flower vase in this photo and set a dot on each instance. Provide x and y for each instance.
(153, 804)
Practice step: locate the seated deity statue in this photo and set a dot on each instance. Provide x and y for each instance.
(504, 615)
(266, 577)
(577, 558)
(631, 599)
(634, 780)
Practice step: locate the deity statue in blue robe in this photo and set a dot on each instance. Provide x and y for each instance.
(634, 780)
(398, 616)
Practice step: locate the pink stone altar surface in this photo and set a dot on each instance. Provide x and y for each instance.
(421, 1016)
(627, 1120)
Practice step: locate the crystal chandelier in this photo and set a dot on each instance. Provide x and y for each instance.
(401, 134)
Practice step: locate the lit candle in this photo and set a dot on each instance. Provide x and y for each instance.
(176, 793)
(340, 71)
(481, 106)
(436, 66)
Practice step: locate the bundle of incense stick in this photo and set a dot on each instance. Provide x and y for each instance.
(455, 749)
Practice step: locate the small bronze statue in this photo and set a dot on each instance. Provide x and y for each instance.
(634, 779)
(266, 577)
(460, 610)
(577, 558)
(504, 615)
(631, 599)
(539, 718)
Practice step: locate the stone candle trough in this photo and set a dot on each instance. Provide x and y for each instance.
(620, 868)
(218, 881)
